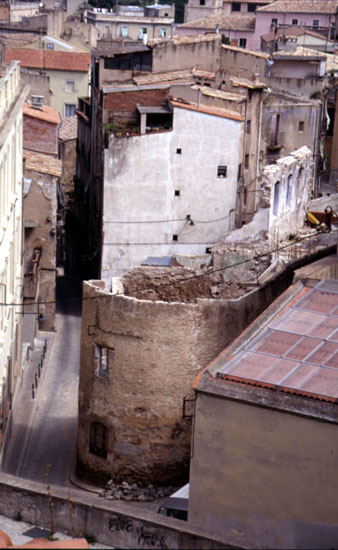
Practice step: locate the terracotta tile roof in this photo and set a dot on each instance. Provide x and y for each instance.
(298, 351)
(181, 40)
(220, 94)
(68, 128)
(226, 22)
(244, 83)
(233, 115)
(188, 75)
(49, 59)
(48, 114)
(45, 164)
(293, 31)
(301, 6)
(299, 53)
(245, 51)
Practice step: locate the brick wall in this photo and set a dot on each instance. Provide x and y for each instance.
(40, 136)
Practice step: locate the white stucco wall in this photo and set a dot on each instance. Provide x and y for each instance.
(141, 176)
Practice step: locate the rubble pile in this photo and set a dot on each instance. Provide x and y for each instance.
(126, 491)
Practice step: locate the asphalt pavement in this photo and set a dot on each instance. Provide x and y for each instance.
(45, 428)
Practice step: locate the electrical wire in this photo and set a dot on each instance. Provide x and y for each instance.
(171, 283)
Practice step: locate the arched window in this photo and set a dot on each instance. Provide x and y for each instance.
(98, 444)
(289, 190)
(276, 198)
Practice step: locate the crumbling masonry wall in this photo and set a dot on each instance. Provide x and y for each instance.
(156, 349)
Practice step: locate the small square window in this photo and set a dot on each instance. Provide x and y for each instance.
(295, 21)
(102, 356)
(70, 86)
(242, 42)
(178, 151)
(315, 23)
(222, 171)
(236, 6)
(175, 237)
(69, 109)
(208, 250)
(274, 22)
(301, 126)
(177, 192)
(202, 2)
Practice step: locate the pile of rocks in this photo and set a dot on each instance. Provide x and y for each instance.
(125, 491)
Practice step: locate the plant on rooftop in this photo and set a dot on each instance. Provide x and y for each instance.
(89, 538)
(18, 516)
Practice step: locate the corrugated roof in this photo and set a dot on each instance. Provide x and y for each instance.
(49, 59)
(48, 114)
(298, 351)
(45, 164)
(68, 128)
(301, 6)
(233, 115)
(225, 22)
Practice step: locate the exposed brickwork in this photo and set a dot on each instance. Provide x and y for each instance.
(39, 135)
(128, 100)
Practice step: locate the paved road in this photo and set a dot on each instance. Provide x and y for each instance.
(49, 435)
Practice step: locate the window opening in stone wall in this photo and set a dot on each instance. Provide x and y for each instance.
(98, 443)
(315, 23)
(248, 126)
(246, 161)
(177, 193)
(222, 171)
(276, 198)
(163, 33)
(289, 190)
(242, 42)
(202, 2)
(102, 355)
(175, 237)
(295, 21)
(274, 22)
(236, 6)
(69, 109)
(124, 32)
(252, 7)
(179, 151)
(301, 126)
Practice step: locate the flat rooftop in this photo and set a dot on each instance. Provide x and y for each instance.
(297, 352)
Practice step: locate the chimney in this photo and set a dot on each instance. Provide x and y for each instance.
(37, 102)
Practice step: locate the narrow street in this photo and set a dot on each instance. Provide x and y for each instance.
(48, 434)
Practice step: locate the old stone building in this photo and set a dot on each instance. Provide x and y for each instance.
(12, 96)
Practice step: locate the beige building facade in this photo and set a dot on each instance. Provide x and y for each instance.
(12, 97)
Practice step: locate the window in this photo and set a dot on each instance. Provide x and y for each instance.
(315, 23)
(301, 126)
(252, 7)
(248, 126)
(222, 171)
(102, 355)
(69, 109)
(239, 173)
(175, 237)
(124, 32)
(295, 21)
(70, 86)
(177, 193)
(246, 161)
(274, 22)
(163, 33)
(202, 2)
(242, 42)
(276, 198)
(98, 443)
(49, 46)
(143, 31)
(178, 151)
(236, 6)
(289, 190)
